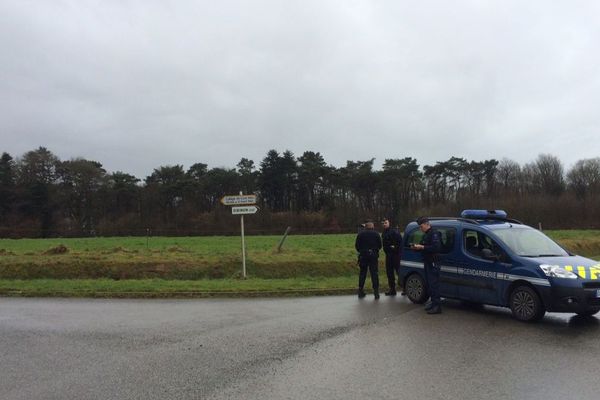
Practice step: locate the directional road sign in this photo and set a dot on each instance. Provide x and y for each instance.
(244, 210)
(241, 200)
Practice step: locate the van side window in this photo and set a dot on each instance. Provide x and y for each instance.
(475, 242)
(447, 234)
(414, 237)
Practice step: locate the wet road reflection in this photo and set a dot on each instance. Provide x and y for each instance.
(296, 348)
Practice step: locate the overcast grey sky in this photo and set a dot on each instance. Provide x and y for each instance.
(139, 84)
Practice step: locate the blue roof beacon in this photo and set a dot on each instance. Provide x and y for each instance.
(489, 258)
(484, 214)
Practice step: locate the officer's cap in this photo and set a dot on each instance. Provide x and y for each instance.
(422, 220)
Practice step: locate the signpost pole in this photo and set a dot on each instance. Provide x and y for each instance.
(241, 205)
(243, 246)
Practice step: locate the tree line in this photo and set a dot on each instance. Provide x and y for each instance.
(43, 196)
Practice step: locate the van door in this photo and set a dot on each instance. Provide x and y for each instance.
(448, 265)
(481, 279)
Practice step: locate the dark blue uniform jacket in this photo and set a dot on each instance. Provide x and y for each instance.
(432, 241)
(368, 242)
(392, 241)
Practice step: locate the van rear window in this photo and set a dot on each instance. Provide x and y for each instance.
(448, 238)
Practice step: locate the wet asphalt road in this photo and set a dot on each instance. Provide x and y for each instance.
(306, 348)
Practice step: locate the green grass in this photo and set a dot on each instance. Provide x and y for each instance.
(197, 266)
(582, 242)
(187, 258)
(176, 288)
(575, 234)
(215, 247)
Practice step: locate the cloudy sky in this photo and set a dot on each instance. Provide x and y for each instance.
(139, 84)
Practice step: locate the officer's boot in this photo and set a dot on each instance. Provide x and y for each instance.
(391, 291)
(361, 293)
(437, 309)
(376, 293)
(428, 305)
(401, 288)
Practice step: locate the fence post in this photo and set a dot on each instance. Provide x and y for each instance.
(287, 231)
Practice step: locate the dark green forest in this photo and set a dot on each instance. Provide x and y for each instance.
(43, 196)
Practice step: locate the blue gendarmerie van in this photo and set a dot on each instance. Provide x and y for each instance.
(489, 258)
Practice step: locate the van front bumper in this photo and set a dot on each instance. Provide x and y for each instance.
(580, 300)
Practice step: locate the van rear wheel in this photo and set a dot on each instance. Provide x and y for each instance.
(526, 304)
(415, 289)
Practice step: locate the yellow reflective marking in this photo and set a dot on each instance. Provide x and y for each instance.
(581, 271)
(569, 268)
(594, 272)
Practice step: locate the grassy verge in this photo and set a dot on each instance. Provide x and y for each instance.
(159, 288)
(202, 258)
(197, 266)
(582, 242)
(187, 258)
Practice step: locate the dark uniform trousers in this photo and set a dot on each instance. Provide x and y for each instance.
(392, 246)
(432, 243)
(392, 266)
(368, 261)
(432, 274)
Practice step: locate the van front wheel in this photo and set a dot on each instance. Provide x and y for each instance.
(526, 305)
(415, 289)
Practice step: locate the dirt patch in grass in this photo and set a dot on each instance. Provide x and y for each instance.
(177, 249)
(60, 249)
(120, 250)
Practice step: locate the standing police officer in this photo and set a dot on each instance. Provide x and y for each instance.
(431, 245)
(368, 244)
(392, 246)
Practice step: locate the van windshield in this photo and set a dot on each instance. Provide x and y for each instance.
(529, 242)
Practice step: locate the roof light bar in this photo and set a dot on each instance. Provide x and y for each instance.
(484, 214)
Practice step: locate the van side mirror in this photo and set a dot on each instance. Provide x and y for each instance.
(488, 255)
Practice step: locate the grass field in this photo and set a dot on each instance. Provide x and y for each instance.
(176, 258)
(182, 266)
(178, 288)
(583, 242)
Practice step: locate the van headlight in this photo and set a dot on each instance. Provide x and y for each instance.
(556, 271)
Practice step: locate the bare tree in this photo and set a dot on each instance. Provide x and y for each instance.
(584, 177)
(508, 176)
(550, 174)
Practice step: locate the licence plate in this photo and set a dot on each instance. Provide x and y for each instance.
(598, 293)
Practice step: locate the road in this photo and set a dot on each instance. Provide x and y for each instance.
(294, 348)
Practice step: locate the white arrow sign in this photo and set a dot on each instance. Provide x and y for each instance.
(244, 210)
(240, 200)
